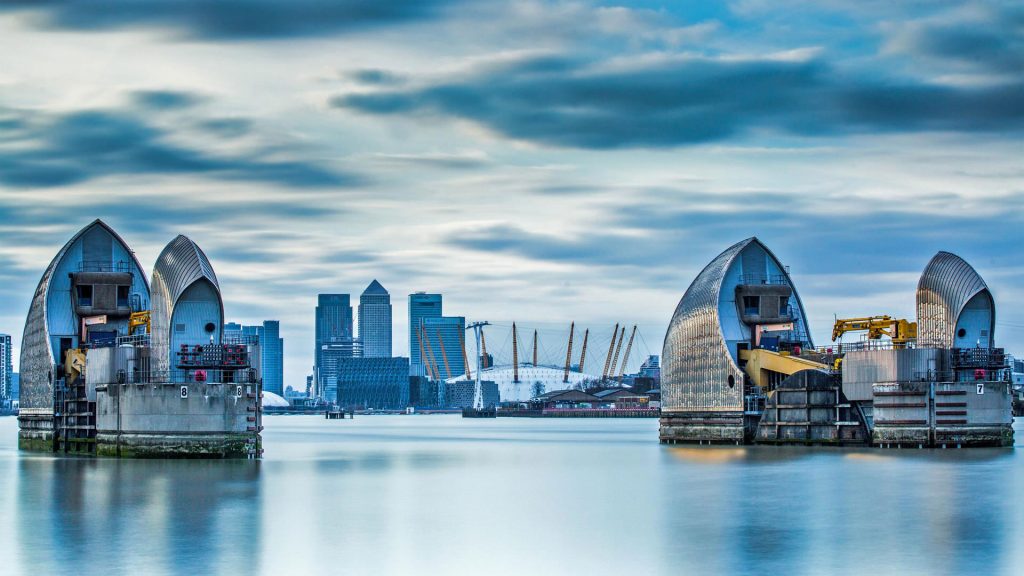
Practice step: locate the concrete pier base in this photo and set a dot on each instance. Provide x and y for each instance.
(220, 445)
(701, 428)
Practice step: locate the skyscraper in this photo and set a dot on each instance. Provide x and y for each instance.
(272, 352)
(268, 335)
(375, 321)
(333, 324)
(444, 345)
(6, 369)
(421, 305)
(232, 331)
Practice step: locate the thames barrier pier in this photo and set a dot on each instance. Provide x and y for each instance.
(739, 365)
(113, 366)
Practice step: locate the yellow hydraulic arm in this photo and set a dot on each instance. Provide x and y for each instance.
(138, 320)
(901, 331)
(762, 363)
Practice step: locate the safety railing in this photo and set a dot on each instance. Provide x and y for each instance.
(200, 376)
(758, 279)
(104, 266)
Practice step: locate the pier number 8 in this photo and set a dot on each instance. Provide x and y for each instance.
(184, 392)
(238, 391)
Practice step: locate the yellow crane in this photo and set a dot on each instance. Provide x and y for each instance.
(138, 320)
(900, 331)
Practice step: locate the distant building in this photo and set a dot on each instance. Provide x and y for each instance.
(423, 393)
(444, 345)
(6, 369)
(331, 356)
(378, 383)
(15, 386)
(651, 368)
(375, 321)
(232, 331)
(421, 305)
(461, 394)
(272, 351)
(291, 394)
(268, 336)
(533, 380)
(333, 325)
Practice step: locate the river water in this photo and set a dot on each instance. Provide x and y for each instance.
(443, 495)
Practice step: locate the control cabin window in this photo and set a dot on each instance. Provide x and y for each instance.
(751, 305)
(783, 305)
(122, 296)
(85, 295)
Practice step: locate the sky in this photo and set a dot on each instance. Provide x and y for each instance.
(539, 162)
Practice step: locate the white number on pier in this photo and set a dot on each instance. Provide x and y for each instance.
(238, 391)
(981, 388)
(184, 391)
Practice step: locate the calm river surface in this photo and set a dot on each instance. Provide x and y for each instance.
(443, 495)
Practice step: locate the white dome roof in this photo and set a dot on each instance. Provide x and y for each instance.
(273, 400)
(549, 377)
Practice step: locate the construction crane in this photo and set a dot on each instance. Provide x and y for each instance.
(900, 331)
(138, 320)
(568, 353)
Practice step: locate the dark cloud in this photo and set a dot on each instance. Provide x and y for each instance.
(165, 99)
(375, 76)
(990, 37)
(678, 102)
(657, 233)
(68, 148)
(598, 248)
(227, 127)
(231, 19)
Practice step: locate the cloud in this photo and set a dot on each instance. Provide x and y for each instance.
(375, 76)
(60, 149)
(454, 161)
(165, 99)
(681, 101)
(230, 19)
(985, 37)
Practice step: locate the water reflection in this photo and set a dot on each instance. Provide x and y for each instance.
(767, 510)
(443, 495)
(104, 515)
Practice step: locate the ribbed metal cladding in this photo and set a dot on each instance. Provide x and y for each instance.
(696, 363)
(37, 360)
(947, 284)
(181, 264)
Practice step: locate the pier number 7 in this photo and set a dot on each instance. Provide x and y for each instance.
(981, 388)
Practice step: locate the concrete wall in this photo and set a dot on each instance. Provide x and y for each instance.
(950, 414)
(160, 408)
